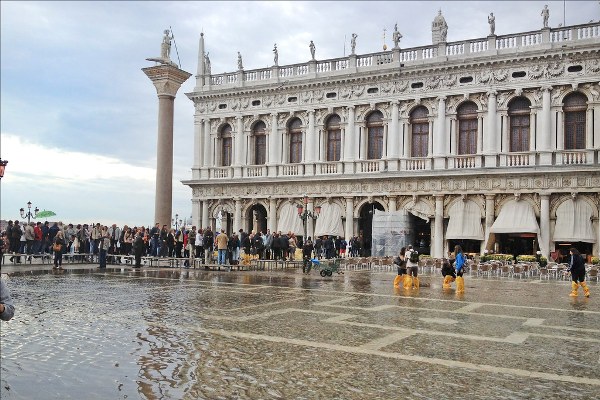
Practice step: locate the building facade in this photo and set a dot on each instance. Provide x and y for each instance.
(491, 142)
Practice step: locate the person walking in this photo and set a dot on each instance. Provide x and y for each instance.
(222, 240)
(459, 264)
(138, 249)
(412, 268)
(400, 261)
(58, 248)
(448, 273)
(104, 247)
(577, 268)
(307, 250)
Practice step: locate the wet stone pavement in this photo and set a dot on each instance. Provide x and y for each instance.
(82, 333)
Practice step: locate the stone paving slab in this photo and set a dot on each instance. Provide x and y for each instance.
(82, 333)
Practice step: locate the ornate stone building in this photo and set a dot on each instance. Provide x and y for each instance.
(491, 142)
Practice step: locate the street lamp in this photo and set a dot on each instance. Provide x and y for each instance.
(177, 222)
(28, 214)
(2, 167)
(304, 214)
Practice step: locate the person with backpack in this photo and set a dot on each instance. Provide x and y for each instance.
(459, 264)
(412, 267)
(448, 273)
(577, 269)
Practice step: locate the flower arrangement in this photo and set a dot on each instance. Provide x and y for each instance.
(596, 260)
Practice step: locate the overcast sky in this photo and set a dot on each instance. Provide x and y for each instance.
(79, 117)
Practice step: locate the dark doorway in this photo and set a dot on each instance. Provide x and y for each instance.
(468, 246)
(518, 243)
(421, 234)
(257, 218)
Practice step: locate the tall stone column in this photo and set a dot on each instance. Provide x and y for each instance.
(544, 146)
(349, 154)
(272, 214)
(438, 232)
(439, 139)
(196, 211)
(545, 224)
(311, 149)
(237, 215)
(489, 220)
(205, 220)
(239, 147)
(273, 147)
(167, 79)
(490, 142)
(349, 231)
(394, 139)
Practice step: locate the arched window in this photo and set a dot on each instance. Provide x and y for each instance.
(334, 138)
(259, 136)
(575, 108)
(467, 128)
(375, 135)
(519, 118)
(419, 123)
(295, 137)
(225, 137)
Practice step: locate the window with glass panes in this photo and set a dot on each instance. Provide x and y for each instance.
(334, 138)
(226, 143)
(295, 137)
(574, 108)
(519, 116)
(260, 143)
(375, 135)
(467, 128)
(419, 123)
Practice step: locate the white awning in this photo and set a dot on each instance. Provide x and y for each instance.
(288, 220)
(574, 222)
(516, 217)
(465, 221)
(329, 221)
(420, 209)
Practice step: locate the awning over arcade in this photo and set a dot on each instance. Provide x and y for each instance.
(574, 222)
(420, 209)
(288, 219)
(465, 221)
(517, 216)
(329, 221)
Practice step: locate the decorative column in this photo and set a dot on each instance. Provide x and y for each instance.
(392, 203)
(439, 140)
(490, 143)
(544, 146)
(196, 211)
(394, 139)
(206, 142)
(237, 214)
(489, 221)
(167, 79)
(348, 232)
(238, 148)
(198, 156)
(349, 154)
(545, 224)
(205, 221)
(310, 151)
(273, 214)
(273, 147)
(438, 232)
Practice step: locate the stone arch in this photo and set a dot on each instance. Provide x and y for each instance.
(358, 206)
(566, 196)
(521, 197)
(226, 206)
(475, 199)
(582, 90)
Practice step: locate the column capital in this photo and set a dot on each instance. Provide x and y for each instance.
(546, 88)
(491, 93)
(490, 196)
(167, 79)
(441, 98)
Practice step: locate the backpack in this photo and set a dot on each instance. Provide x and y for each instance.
(414, 256)
(57, 246)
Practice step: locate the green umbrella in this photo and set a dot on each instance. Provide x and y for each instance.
(45, 214)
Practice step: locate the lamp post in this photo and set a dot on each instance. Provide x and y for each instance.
(28, 214)
(177, 222)
(2, 167)
(304, 214)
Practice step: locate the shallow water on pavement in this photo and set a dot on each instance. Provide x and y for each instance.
(190, 334)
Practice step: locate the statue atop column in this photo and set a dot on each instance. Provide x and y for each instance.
(439, 29)
(165, 49)
(240, 65)
(396, 36)
(352, 43)
(492, 22)
(312, 48)
(545, 15)
(275, 55)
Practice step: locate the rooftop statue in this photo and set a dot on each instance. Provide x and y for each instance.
(275, 55)
(352, 43)
(312, 48)
(396, 36)
(207, 64)
(240, 65)
(545, 15)
(492, 22)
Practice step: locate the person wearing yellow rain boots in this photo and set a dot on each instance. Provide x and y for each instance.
(459, 264)
(400, 261)
(577, 268)
(448, 273)
(412, 268)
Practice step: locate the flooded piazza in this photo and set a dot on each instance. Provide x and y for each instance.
(82, 333)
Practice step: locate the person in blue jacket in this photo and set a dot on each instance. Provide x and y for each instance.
(459, 264)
